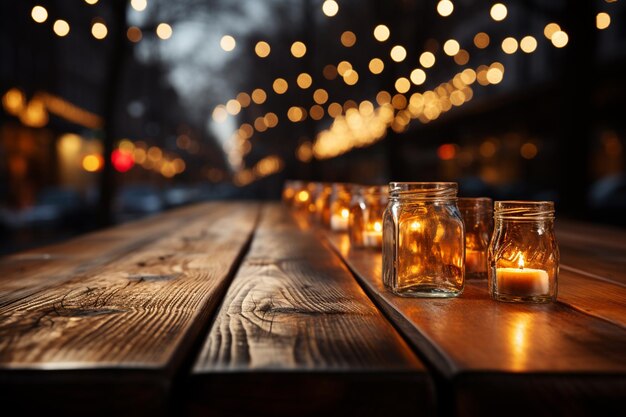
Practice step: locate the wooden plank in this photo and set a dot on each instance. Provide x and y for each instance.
(543, 359)
(593, 250)
(127, 325)
(297, 335)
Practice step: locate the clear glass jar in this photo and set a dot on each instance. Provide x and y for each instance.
(523, 254)
(290, 189)
(366, 216)
(340, 207)
(322, 205)
(423, 240)
(477, 214)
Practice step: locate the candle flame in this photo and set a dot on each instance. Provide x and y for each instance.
(345, 213)
(303, 196)
(520, 262)
(416, 225)
(378, 227)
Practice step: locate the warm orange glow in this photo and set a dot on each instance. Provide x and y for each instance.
(320, 96)
(330, 72)
(259, 96)
(228, 43)
(509, 45)
(451, 47)
(446, 152)
(418, 76)
(92, 162)
(481, 40)
(280, 86)
(551, 29)
(376, 66)
(383, 97)
(61, 28)
(138, 5)
(343, 67)
(295, 114)
(316, 112)
(559, 39)
(304, 80)
(39, 14)
(348, 39)
(402, 85)
(445, 8)
(529, 150)
(134, 34)
(351, 77)
(603, 20)
(233, 107)
(528, 44)
(298, 49)
(303, 196)
(260, 125)
(462, 57)
(14, 101)
(99, 30)
(243, 99)
(495, 75)
(164, 31)
(498, 12)
(271, 119)
(334, 110)
(305, 152)
(330, 8)
(220, 114)
(381, 33)
(398, 53)
(427, 59)
(262, 49)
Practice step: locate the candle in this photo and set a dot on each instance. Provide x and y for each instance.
(339, 221)
(522, 281)
(373, 237)
(475, 260)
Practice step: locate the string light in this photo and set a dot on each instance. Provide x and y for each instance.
(304, 80)
(99, 30)
(418, 76)
(227, 43)
(528, 44)
(280, 86)
(330, 8)
(498, 12)
(348, 39)
(61, 28)
(481, 40)
(603, 20)
(262, 49)
(134, 34)
(39, 14)
(298, 49)
(550, 29)
(509, 45)
(559, 39)
(398, 53)
(259, 96)
(445, 8)
(402, 85)
(451, 47)
(138, 5)
(381, 33)
(164, 31)
(427, 59)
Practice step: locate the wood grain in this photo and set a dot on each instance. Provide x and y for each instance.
(128, 323)
(493, 354)
(296, 334)
(593, 250)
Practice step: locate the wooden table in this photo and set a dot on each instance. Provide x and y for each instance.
(239, 309)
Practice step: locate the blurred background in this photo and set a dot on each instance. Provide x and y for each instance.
(113, 110)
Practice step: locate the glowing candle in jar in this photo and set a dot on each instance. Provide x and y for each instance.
(522, 281)
(373, 237)
(339, 221)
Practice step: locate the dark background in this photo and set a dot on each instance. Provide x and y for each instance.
(553, 128)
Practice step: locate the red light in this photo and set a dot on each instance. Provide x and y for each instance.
(446, 151)
(122, 160)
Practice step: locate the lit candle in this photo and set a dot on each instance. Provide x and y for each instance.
(522, 281)
(373, 237)
(475, 260)
(339, 221)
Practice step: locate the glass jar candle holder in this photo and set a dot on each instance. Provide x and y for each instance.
(314, 189)
(523, 254)
(322, 205)
(423, 240)
(477, 214)
(366, 216)
(290, 189)
(340, 207)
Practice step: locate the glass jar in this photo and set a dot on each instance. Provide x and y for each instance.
(322, 205)
(423, 240)
(477, 214)
(340, 207)
(523, 254)
(366, 216)
(314, 189)
(290, 189)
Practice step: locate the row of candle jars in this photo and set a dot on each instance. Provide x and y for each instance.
(432, 241)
